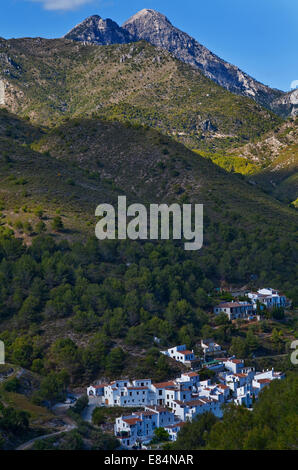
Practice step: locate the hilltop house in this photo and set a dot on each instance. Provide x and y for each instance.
(124, 393)
(269, 297)
(234, 365)
(209, 346)
(235, 309)
(180, 353)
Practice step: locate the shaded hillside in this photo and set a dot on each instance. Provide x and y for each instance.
(50, 79)
(71, 303)
(71, 169)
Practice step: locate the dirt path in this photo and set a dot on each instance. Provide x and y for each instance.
(28, 444)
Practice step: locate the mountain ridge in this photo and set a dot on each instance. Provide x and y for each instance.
(157, 29)
(54, 79)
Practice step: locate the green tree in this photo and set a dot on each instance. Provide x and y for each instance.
(160, 435)
(57, 224)
(115, 361)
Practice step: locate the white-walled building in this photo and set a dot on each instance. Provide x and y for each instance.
(180, 354)
(269, 297)
(235, 309)
(139, 427)
(209, 346)
(173, 430)
(234, 365)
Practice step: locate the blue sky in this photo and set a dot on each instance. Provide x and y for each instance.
(259, 36)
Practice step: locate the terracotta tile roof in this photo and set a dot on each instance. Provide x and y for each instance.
(200, 402)
(264, 381)
(157, 408)
(132, 421)
(175, 425)
(191, 374)
(186, 351)
(165, 384)
(145, 413)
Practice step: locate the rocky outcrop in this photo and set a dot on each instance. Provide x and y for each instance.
(158, 30)
(2, 93)
(287, 105)
(95, 30)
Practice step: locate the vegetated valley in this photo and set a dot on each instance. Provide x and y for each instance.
(82, 125)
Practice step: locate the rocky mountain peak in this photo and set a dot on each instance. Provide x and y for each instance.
(95, 30)
(155, 28)
(147, 14)
(147, 22)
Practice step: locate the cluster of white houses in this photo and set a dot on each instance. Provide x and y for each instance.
(170, 404)
(270, 298)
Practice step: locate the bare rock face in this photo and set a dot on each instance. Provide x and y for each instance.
(158, 30)
(95, 30)
(287, 105)
(2, 93)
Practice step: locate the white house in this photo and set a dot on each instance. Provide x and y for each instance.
(187, 410)
(173, 430)
(233, 364)
(235, 309)
(128, 396)
(244, 396)
(180, 353)
(96, 390)
(269, 297)
(209, 346)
